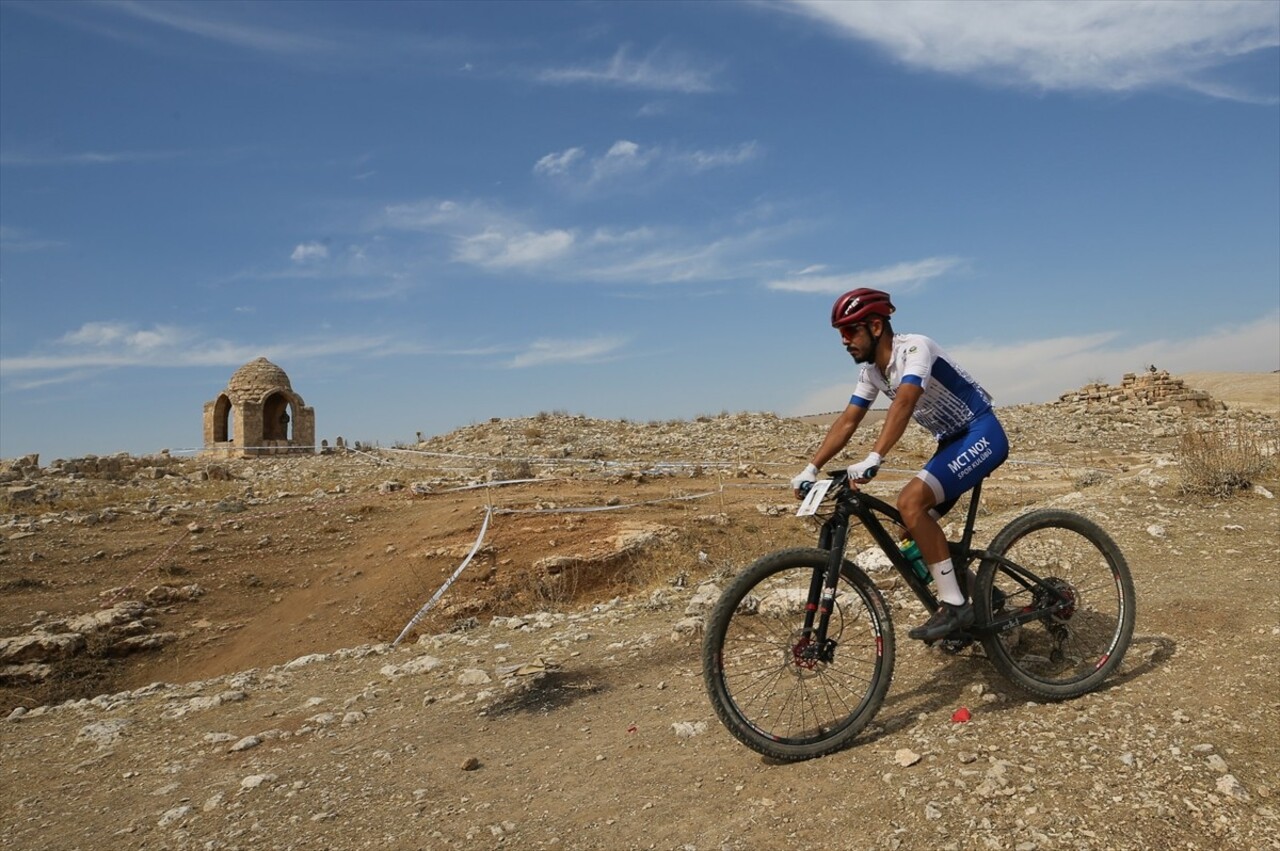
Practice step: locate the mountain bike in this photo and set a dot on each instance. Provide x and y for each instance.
(798, 652)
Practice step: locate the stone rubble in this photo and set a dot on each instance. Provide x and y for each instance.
(1153, 388)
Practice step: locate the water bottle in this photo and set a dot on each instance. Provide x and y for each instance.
(911, 550)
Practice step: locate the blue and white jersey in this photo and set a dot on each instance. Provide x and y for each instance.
(952, 399)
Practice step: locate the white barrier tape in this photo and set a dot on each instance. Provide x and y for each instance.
(654, 467)
(597, 461)
(659, 467)
(1055, 464)
(216, 450)
(445, 587)
(507, 459)
(593, 508)
(499, 484)
(368, 455)
(120, 592)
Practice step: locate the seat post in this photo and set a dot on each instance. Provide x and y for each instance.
(971, 516)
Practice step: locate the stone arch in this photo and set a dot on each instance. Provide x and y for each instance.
(276, 410)
(223, 431)
(259, 414)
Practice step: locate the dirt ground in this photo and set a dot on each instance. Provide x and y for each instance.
(553, 698)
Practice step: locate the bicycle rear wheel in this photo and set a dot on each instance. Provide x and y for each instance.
(771, 685)
(1085, 591)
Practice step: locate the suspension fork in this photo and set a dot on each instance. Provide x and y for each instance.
(822, 585)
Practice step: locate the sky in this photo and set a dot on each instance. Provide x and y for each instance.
(432, 214)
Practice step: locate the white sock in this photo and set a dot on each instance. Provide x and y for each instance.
(948, 588)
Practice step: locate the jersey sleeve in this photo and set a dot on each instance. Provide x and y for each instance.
(865, 392)
(917, 365)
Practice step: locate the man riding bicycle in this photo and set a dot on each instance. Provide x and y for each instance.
(925, 383)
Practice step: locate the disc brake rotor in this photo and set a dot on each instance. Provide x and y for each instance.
(807, 656)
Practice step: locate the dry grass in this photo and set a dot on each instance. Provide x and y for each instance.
(1223, 460)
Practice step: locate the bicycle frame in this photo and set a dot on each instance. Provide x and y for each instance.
(851, 503)
(867, 509)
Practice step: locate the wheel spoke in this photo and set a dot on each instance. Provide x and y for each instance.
(772, 685)
(1085, 601)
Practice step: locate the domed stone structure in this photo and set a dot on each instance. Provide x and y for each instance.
(258, 377)
(259, 414)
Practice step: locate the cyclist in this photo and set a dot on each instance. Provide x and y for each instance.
(925, 383)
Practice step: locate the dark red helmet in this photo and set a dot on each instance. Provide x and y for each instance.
(857, 305)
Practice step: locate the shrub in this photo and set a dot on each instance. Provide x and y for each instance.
(1224, 459)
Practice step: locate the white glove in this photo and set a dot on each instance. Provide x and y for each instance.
(865, 469)
(809, 475)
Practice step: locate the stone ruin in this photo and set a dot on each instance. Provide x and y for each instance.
(1153, 388)
(258, 414)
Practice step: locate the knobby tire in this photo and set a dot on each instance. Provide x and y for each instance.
(1073, 650)
(766, 685)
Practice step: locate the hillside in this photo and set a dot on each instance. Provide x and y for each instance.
(234, 684)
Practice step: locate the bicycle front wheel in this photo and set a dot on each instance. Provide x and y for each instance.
(1084, 591)
(770, 682)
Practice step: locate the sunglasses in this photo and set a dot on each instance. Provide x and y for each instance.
(848, 332)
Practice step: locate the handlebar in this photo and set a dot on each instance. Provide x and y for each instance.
(840, 478)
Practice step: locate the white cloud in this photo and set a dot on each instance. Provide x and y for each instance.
(99, 345)
(1066, 363)
(49, 381)
(558, 163)
(493, 239)
(1095, 45)
(88, 158)
(18, 239)
(660, 70)
(633, 236)
(623, 158)
(704, 160)
(902, 277)
(483, 235)
(434, 215)
(206, 21)
(667, 259)
(496, 249)
(97, 334)
(309, 252)
(630, 164)
(1062, 364)
(543, 352)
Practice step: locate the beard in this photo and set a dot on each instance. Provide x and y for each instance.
(867, 358)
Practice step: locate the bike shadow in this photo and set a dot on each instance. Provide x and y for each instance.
(952, 685)
(1163, 648)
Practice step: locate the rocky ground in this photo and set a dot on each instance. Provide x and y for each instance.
(199, 654)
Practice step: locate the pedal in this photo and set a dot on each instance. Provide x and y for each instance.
(954, 646)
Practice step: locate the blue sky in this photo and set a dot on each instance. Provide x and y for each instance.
(430, 214)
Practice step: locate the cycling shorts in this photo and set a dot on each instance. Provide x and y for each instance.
(964, 459)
